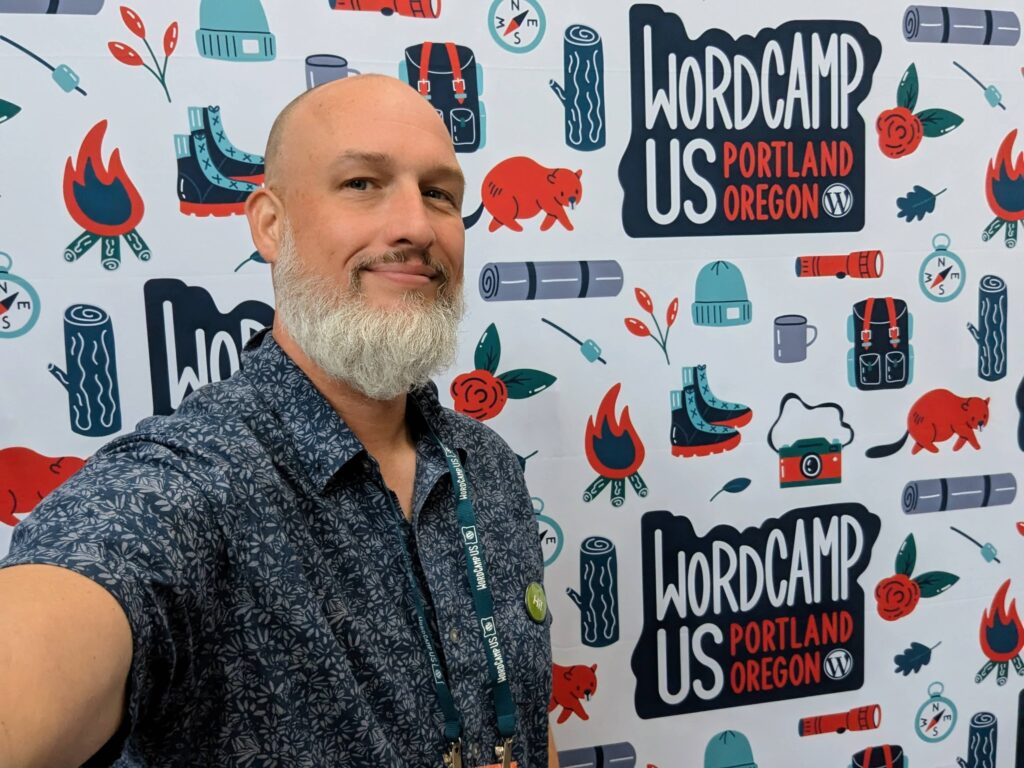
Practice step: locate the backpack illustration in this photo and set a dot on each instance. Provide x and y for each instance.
(449, 77)
(882, 356)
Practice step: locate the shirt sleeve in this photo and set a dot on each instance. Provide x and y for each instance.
(137, 520)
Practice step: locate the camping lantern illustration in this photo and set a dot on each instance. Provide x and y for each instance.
(1002, 638)
(614, 450)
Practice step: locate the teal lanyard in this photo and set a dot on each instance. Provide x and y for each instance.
(483, 603)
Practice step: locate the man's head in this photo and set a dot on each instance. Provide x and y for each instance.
(360, 218)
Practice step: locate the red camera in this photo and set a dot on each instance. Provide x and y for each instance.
(813, 461)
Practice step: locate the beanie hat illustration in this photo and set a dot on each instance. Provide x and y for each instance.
(729, 749)
(234, 30)
(721, 296)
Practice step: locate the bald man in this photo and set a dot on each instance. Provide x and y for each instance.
(312, 563)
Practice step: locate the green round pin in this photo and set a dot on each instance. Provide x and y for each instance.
(536, 602)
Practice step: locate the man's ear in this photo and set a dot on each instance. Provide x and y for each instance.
(265, 213)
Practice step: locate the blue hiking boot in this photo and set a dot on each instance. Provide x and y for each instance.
(713, 410)
(691, 435)
(228, 159)
(202, 189)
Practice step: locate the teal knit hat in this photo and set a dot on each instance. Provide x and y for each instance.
(729, 749)
(721, 296)
(235, 30)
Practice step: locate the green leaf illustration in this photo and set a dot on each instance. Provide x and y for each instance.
(907, 556)
(913, 658)
(935, 582)
(526, 382)
(8, 110)
(906, 94)
(938, 122)
(738, 485)
(488, 350)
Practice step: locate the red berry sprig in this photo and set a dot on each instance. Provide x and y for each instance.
(129, 56)
(639, 328)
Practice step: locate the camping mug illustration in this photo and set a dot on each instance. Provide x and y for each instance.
(324, 67)
(791, 341)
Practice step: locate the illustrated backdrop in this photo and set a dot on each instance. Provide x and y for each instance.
(742, 284)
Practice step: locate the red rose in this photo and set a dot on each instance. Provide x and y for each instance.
(479, 394)
(897, 596)
(899, 132)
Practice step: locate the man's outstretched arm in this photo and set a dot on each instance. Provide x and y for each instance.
(65, 653)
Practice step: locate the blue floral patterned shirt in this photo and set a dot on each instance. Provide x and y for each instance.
(254, 547)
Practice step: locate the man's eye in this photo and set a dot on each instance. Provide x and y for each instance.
(440, 194)
(359, 184)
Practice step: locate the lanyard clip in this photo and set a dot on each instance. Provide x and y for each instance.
(504, 753)
(453, 757)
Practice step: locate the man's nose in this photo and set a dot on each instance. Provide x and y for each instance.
(409, 219)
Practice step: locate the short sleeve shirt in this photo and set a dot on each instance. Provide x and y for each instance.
(257, 553)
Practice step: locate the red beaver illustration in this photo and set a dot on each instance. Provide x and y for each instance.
(26, 477)
(520, 188)
(937, 416)
(568, 685)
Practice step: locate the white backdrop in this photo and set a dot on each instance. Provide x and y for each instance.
(643, 710)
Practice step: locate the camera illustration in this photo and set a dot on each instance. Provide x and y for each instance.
(812, 461)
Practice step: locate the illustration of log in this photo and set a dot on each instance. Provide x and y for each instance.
(531, 280)
(583, 95)
(975, 26)
(91, 376)
(945, 493)
(598, 599)
(981, 742)
(618, 755)
(991, 336)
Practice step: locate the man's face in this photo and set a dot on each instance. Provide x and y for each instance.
(374, 195)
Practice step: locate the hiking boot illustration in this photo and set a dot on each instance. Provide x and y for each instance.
(691, 434)
(227, 158)
(713, 410)
(202, 189)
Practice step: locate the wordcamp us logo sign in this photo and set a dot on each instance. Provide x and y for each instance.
(745, 617)
(750, 135)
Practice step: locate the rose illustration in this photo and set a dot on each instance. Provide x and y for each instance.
(901, 129)
(479, 394)
(899, 132)
(897, 596)
(483, 392)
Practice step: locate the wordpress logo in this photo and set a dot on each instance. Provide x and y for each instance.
(837, 200)
(488, 625)
(838, 664)
(469, 534)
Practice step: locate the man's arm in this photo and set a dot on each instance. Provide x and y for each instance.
(65, 652)
(552, 752)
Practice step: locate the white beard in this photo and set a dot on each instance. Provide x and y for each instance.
(382, 352)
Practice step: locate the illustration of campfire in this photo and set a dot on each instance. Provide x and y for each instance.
(104, 202)
(1002, 638)
(1004, 189)
(614, 451)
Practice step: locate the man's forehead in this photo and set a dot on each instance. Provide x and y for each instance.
(389, 161)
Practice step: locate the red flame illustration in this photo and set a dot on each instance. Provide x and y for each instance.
(1001, 633)
(1004, 186)
(613, 447)
(101, 199)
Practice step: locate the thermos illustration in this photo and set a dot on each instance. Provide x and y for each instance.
(991, 335)
(945, 493)
(529, 280)
(583, 94)
(91, 376)
(599, 601)
(974, 26)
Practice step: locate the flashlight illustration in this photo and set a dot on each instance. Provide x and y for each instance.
(859, 264)
(865, 718)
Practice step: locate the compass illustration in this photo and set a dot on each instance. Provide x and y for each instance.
(19, 302)
(516, 25)
(942, 274)
(936, 717)
(549, 531)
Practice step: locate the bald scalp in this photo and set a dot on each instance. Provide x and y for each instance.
(370, 85)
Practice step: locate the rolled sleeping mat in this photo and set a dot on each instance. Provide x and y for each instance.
(971, 26)
(946, 493)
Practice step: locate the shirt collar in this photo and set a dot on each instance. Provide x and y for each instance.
(322, 442)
